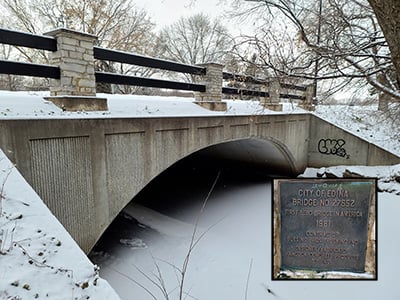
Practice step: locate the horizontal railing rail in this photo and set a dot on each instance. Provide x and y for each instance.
(255, 80)
(243, 78)
(29, 69)
(261, 82)
(22, 39)
(105, 77)
(145, 61)
(244, 92)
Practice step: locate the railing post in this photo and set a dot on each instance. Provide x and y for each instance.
(212, 97)
(76, 88)
(274, 91)
(307, 104)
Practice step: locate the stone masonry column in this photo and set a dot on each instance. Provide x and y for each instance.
(212, 97)
(274, 91)
(307, 104)
(76, 88)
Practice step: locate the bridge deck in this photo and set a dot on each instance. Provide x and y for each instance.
(26, 105)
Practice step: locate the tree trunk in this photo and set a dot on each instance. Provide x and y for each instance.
(388, 13)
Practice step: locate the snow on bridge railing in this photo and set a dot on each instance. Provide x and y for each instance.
(73, 70)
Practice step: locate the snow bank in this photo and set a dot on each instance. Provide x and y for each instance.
(38, 258)
(388, 176)
(364, 121)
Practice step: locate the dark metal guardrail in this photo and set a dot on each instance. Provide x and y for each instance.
(21, 39)
(145, 61)
(147, 82)
(262, 82)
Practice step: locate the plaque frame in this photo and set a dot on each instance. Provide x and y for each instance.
(304, 271)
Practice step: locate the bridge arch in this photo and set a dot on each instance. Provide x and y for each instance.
(88, 170)
(261, 155)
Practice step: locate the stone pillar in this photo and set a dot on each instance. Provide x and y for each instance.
(274, 91)
(383, 101)
(307, 104)
(212, 97)
(76, 88)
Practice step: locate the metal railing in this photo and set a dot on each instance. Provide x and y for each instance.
(21, 39)
(145, 61)
(262, 83)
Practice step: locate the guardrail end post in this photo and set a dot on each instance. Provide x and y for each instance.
(212, 98)
(76, 88)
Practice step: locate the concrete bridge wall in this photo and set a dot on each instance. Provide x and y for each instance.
(330, 145)
(87, 170)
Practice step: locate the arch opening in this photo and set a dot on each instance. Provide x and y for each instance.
(174, 198)
(250, 159)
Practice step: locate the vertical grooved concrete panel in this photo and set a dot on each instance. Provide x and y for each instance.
(126, 168)
(297, 131)
(209, 135)
(171, 146)
(62, 176)
(239, 130)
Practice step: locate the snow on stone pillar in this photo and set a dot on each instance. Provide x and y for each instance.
(212, 97)
(274, 91)
(76, 88)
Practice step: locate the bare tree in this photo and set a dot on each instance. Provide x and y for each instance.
(117, 24)
(388, 12)
(321, 40)
(195, 40)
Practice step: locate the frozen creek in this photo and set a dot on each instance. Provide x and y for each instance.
(233, 258)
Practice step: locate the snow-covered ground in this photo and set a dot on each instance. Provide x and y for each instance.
(366, 122)
(38, 259)
(233, 258)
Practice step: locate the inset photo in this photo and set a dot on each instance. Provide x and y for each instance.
(324, 229)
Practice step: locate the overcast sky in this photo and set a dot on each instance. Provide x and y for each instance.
(165, 12)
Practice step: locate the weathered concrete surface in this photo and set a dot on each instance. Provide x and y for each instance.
(88, 170)
(333, 146)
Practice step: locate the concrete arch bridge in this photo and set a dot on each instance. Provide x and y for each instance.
(88, 170)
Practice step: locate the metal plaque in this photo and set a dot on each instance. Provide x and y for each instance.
(324, 223)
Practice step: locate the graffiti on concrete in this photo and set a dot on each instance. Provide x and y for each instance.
(333, 147)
